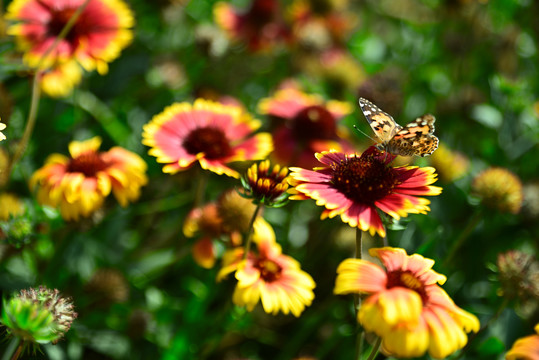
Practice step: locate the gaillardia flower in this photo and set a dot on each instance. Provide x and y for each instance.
(450, 164)
(354, 187)
(79, 184)
(38, 315)
(207, 132)
(266, 186)
(98, 35)
(269, 277)
(310, 125)
(499, 189)
(405, 306)
(10, 205)
(526, 348)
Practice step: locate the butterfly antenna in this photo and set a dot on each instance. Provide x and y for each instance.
(359, 130)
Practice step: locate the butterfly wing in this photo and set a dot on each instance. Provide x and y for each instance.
(416, 138)
(381, 122)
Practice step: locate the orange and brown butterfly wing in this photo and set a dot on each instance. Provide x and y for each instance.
(416, 138)
(383, 125)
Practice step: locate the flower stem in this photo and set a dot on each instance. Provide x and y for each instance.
(36, 89)
(14, 349)
(462, 238)
(357, 298)
(375, 348)
(248, 239)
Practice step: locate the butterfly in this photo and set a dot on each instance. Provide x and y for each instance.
(416, 138)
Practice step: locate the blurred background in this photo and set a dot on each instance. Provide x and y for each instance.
(139, 293)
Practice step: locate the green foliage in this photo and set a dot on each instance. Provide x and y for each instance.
(473, 64)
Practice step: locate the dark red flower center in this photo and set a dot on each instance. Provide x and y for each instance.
(208, 140)
(59, 19)
(314, 122)
(407, 280)
(269, 270)
(89, 163)
(364, 179)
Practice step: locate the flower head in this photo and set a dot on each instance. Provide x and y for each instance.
(29, 321)
(354, 187)
(108, 286)
(518, 273)
(10, 205)
(405, 306)
(499, 189)
(79, 184)
(206, 132)
(39, 315)
(450, 164)
(97, 37)
(259, 27)
(310, 125)
(227, 220)
(526, 348)
(269, 277)
(266, 186)
(2, 127)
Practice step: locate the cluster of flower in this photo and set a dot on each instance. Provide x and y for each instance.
(402, 302)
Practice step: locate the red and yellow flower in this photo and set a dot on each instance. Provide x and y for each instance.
(354, 187)
(310, 125)
(79, 184)
(206, 132)
(404, 304)
(97, 37)
(259, 27)
(269, 277)
(526, 348)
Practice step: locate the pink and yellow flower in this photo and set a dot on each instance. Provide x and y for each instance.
(80, 183)
(404, 304)
(97, 37)
(259, 27)
(355, 187)
(269, 277)
(526, 348)
(310, 125)
(208, 133)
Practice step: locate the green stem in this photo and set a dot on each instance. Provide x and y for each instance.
(357, 298)
(375, 348)
(36, 89)
(462, 238)
(249, 237)
(14, 349)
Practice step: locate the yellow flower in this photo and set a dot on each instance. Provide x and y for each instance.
(79, 184)
(60, 80)
(404, 304)
(499, 189)
(451, 165)
(2, 136)
(269, 277)
(526, 348)
(10, 205)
